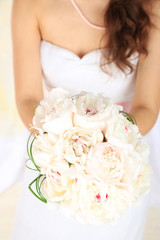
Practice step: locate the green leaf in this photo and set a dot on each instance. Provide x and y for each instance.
(29, 167)
(34, 107)
(69, 164)
(129, 117)
(29, 152)
(28, 144)
(39, 194)
(31, 156)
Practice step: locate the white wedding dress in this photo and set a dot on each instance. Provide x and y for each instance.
(33, 220)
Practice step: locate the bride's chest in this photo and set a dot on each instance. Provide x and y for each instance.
(60, 24)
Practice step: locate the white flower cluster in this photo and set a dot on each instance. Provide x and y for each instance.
(94, 159)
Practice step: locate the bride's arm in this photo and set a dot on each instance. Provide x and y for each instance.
(146, 102)
(26, 59)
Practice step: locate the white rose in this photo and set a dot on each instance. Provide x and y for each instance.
(92, 111)
(54, 114)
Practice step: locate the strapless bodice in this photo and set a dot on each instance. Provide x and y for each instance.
(63, 68)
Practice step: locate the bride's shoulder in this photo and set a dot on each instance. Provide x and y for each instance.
(154, 33)
(32, 8)
(23, 7)
(26, 3)
(154, 12)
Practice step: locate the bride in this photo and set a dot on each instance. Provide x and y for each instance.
(106, 46)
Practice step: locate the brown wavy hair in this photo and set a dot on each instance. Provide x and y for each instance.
(128, 23)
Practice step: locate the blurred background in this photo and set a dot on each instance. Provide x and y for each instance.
(13, 134)
(13, 137)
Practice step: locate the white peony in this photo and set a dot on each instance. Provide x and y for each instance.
(122, 129)
(55, 187)
(45, 151)
(61, 185)
(117, 163)
(77, 142)
(48, 153)
(54, 113)
(94, 202)
(93, 111)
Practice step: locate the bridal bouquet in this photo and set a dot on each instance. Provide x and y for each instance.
(90, 157)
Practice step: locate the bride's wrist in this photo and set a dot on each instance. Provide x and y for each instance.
(145, 118)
